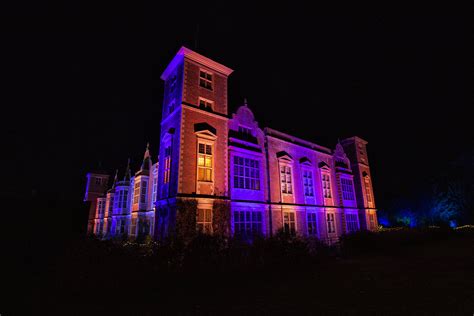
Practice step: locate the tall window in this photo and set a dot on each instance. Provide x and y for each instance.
(289, 224)
(144, 227)
(133, 227)
(155, 188)
(246, 173)
(352, 223)
(143, 192)
(326, 185)
(347, 189)
(136, 192)
(100, 207)
(367, 189)
(120, 200)
(331, 223)
(204, 221)
(206, 104)
(205, 79)
(308, 183)
(312, 224)
(285, 176)
(372, 221)
(120, 228)
(167, 166)
(111, 205)
(173, 84)
(247, 222)
(204, 162)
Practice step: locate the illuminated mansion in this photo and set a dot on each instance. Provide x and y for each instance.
(237, 178)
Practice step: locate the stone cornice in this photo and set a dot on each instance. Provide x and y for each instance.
(198, 58)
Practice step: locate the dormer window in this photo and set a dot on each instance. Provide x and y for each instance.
(205, 79)
(206, 104)
(245, 131)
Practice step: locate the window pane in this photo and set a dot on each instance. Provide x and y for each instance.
(208, 162)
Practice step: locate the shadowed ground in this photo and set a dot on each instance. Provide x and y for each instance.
(92, 277)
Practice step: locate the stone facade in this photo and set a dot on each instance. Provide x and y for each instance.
(240, 178)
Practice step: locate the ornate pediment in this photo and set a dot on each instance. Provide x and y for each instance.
(204, 130)
(283, 155)
(305, 161)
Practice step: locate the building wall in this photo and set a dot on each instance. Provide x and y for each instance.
(185, 123)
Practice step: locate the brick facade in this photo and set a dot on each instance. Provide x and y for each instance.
(258, 180)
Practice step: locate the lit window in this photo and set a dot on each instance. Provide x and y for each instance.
(331, 223)
(136, 192)
(205, 79)
(312, 224)
(285, 176)
(167, 165)
(247, 222)
(352, 223)
(326, 185)
(246, 173)
(347, 189)
(206, 104)
(204, 221)
(367, 189)
(204, 162)
(308, 183)
(289, 224)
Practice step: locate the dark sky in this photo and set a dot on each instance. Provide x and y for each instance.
(85, 87)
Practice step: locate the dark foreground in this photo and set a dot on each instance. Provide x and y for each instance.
(424, 273)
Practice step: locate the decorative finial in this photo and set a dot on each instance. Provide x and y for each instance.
(245, 101)
(147, 145)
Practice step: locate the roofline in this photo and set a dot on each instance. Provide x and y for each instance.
(97, 173)
(298, 141)
(353, 139)
(198, 58)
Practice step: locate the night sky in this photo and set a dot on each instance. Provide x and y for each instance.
(85, 85)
